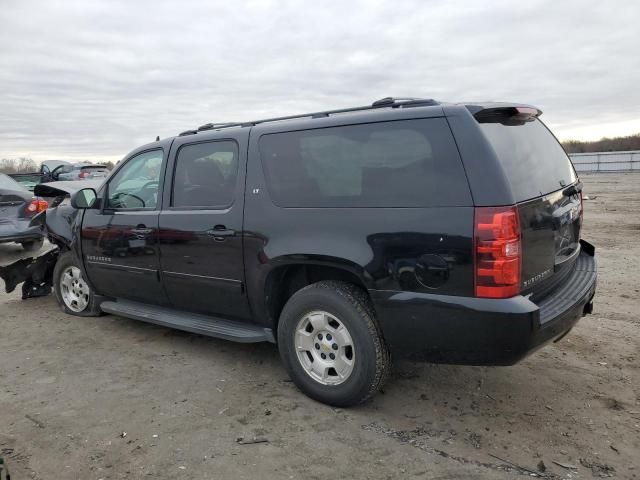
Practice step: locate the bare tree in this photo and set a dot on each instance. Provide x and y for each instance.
(26, 165)
(8, 165)
(616, 144)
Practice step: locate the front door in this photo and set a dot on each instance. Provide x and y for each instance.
(120, 240)
(201, 227)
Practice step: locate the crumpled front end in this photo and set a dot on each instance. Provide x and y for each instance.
(36, 273)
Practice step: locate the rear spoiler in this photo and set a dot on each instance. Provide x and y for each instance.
(505, 113)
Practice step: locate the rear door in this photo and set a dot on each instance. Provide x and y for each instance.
(201, 225)
(546, 190)
(120, 241)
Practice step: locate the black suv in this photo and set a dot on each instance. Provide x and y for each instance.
(443, 232)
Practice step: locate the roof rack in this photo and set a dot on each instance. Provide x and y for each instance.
(210, 126)
(387, 102)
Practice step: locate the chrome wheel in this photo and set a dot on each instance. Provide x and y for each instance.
(324, 348)
(74, 290)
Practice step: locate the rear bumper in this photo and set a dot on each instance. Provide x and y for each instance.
(20, 231)
(482, 331)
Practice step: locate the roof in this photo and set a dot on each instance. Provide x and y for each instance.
(387, 103)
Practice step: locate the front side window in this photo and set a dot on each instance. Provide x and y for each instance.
(408, 163)
(205, 175)
(136, 184)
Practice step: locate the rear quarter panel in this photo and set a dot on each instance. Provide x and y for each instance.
(487, 181)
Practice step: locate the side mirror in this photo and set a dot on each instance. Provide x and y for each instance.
(84, 199)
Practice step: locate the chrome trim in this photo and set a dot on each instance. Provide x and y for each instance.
(191, 275)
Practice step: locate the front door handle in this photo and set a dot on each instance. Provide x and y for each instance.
(220, 232)
(141, 230)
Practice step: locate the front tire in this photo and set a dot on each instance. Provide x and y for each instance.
(71, 289)
(331, 344)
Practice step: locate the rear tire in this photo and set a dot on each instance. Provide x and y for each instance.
(331, 344)
(33, 245)
(71, 289)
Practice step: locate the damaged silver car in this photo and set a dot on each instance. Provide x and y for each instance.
(57, 224)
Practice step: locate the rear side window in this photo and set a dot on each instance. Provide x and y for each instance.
(533, 160)
(409, 163)
(205, 175)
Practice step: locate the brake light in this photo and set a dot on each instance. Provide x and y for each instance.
(581, 208)
(497, 250)
(36, 206)
(82, 174)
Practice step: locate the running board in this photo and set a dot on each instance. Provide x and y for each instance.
(190, 322)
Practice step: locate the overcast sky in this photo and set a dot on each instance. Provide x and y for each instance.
(93, 80)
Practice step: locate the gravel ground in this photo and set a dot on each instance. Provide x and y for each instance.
(70, 388)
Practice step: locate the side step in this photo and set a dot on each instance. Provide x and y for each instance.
(190, 322)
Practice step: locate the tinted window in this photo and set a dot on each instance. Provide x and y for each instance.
(136, 184)
(409, 163)
(205, 175)
(533, 160)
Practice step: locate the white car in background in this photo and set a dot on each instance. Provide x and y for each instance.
(80, 171)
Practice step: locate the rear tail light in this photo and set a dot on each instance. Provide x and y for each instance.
(35, 206)
(82, 174)
(497, 250)
(581, 207)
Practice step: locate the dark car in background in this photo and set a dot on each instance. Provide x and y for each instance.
(18, 206)
(413, 228)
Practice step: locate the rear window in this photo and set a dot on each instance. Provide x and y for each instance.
(409, 163)
(533, 160)
(9, 183)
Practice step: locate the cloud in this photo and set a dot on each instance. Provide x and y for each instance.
(93, 80)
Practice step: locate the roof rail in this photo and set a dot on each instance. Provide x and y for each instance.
(392, 102)
(188, 132)
(210, 126)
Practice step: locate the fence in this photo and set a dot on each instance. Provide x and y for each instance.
(607, 161)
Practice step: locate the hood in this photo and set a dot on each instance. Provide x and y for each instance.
(59, 218)
(62, 189)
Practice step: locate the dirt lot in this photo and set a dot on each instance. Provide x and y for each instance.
(71, 387)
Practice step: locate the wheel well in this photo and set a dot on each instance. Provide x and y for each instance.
(283, 282)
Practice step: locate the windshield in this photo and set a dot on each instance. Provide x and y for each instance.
(533, 160)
